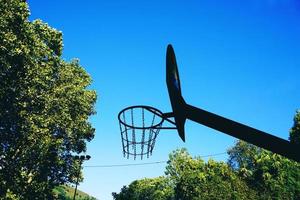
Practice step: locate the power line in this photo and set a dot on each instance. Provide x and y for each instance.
(126, 165)
(145, 163)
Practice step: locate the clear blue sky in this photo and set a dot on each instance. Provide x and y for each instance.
(239, 59)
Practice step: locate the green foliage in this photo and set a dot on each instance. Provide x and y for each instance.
(271, 175)
(64, 192)
(295, 130)
(146, 189)
(251, 173)
(44, 107)
(189, 178)
(195, 179)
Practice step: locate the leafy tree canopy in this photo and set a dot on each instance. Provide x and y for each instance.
(44, 107)
(271, 175)
(65, 192)
(295, 130)
(146, 189)
(195, 179)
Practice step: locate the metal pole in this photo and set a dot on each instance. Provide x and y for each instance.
(77, 180)
(243, 132)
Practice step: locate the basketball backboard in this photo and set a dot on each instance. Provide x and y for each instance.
(138, 139)
(174, 89)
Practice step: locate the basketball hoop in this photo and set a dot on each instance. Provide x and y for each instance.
(138, 137)
(140, 126)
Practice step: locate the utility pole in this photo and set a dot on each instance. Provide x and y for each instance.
(81, 159)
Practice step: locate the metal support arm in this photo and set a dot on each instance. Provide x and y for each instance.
(243, 132)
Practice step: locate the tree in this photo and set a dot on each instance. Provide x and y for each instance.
(250, 173)
(44, 107)
(189, 178)
(295, 130)
(271, 175)
(194, 179)
(64, 192)
(146, 189)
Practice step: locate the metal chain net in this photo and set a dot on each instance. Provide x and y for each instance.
(139, 142)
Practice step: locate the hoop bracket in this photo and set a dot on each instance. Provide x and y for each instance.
(164, 116)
